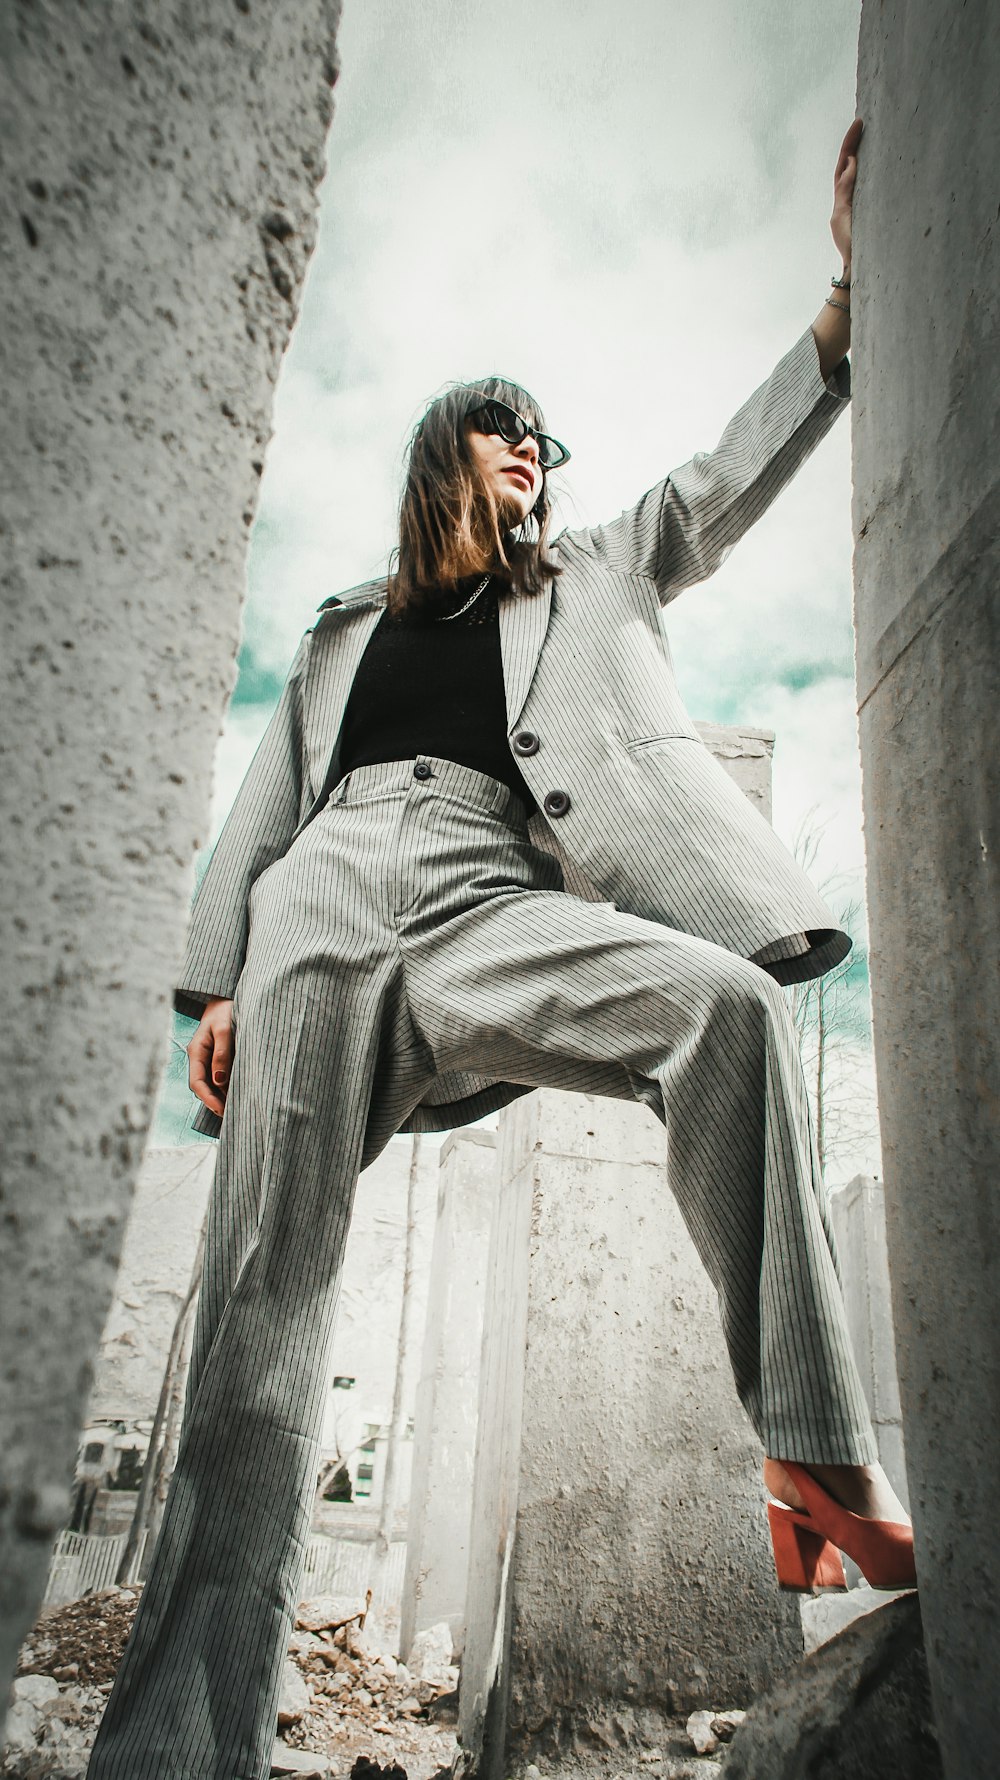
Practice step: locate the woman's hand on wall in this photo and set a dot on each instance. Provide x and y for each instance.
(210, 1055)
(832, 326)
(845, 173)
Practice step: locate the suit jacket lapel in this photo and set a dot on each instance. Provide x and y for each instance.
(340, 637)
(523, 623)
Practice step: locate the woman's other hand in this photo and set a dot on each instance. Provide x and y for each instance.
(210, 1054)
(845, 173)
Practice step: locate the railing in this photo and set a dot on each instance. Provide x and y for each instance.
(347, 1567)
(84, 1561)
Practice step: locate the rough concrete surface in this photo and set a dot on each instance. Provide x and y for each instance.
(926, 413)
(856, 1709)
(621, 1571)
(160, 166)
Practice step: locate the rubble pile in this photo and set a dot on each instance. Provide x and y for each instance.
(65, 1672)
(347, 1706)
(344, 1697)
(344, 1700)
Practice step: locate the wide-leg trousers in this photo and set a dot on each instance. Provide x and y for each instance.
(411, 930)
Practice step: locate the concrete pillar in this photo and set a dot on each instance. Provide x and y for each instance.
(858, 1214)
(160, 166)
(447, 1406)
(927, 567)
(620, 1568)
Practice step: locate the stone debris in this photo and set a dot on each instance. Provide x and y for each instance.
(50, 1729)
(703, 1738)
(323, 1613)
(295, 1699)
(363, 1703)
(431, 1652)
(708, 1729)
(364, 1769)
(299, 1761)
(344, 1699)
(86, 1636)
(726, 1724)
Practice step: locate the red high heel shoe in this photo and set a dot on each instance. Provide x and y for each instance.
(804, 1559)
(805, 1543)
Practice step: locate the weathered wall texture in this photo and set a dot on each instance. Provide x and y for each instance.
(746, 753)
(927, 564)
(620, 1569)
(160, 164)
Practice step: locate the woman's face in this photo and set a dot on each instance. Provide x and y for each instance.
(511, 471)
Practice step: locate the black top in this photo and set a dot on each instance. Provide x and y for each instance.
(430, 686)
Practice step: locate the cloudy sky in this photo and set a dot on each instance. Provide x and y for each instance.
(626, 209)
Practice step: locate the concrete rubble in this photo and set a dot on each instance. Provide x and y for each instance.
(344, 1700)
(857, 1708)
(708, 1730)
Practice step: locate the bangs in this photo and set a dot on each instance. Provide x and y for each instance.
(498, 389)
(451, 525)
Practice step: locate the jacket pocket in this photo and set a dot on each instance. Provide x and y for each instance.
(651, 741)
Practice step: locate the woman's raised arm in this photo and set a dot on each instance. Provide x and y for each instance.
(683, 529)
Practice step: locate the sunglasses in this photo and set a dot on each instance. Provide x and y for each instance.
(496, 417)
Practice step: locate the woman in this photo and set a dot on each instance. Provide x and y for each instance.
(482, 848)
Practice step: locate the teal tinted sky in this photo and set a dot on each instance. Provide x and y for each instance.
(625, 209)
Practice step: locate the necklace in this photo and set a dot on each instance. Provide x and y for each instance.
(484, 583)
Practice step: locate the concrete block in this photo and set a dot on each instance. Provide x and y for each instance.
(620, 1567)
(857, 1211)
(747, 753)
(856, 1709)
(824, 1615)
(447, 1406)
(160, 169)
(926, 481)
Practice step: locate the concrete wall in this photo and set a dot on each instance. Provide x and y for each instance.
(620, 1568)
(160, 165)
(926, 412)
(857, 1211)
(447, 1405)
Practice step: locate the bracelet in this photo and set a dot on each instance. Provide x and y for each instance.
(841, 283)
(846, 307)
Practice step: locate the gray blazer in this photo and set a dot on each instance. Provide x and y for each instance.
(631, 801)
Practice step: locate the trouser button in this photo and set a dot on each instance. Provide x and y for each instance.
(421, 770)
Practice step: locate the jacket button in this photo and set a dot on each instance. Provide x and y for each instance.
(421, 770)
(526, 742)
(556, 803)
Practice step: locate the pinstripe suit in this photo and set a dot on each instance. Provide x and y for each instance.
(405, 950)
(654, 824)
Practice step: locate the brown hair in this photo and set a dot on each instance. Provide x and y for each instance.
(450, 523)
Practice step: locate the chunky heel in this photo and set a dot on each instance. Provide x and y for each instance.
(882, 1549)
(804, 1559)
